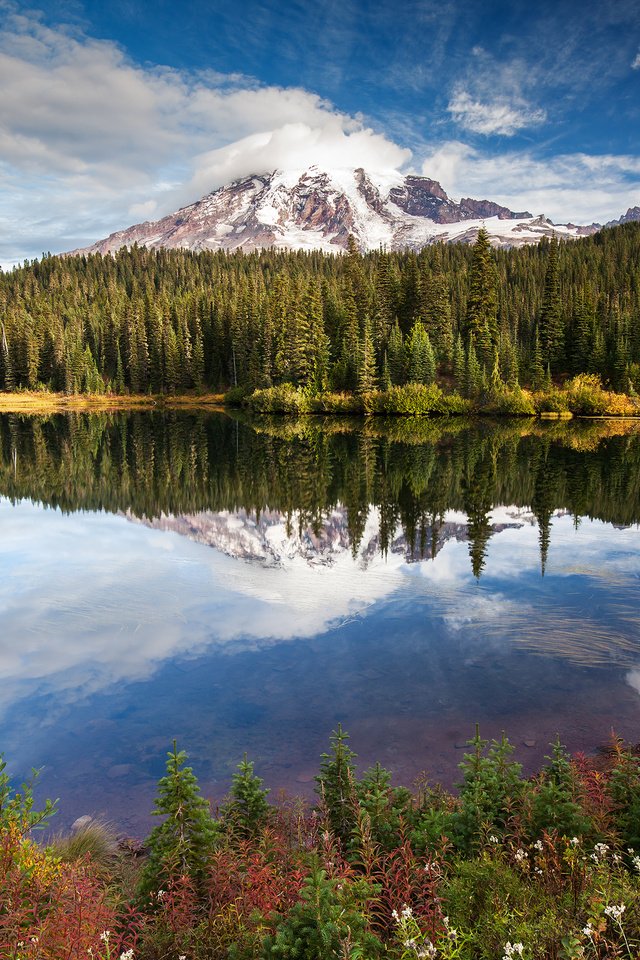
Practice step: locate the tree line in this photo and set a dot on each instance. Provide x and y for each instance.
(158, 321)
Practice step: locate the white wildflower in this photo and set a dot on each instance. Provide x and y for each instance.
(636, 863)
(127, 955)
(539, 845)
(574, 841)
(406, 912)
(521, 855)
(493, 839)
(512, 950)
(588, 930)
(395, 915)
(600, 852)
(615, 911)
(104, 936)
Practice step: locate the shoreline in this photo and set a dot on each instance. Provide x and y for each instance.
(41, 402)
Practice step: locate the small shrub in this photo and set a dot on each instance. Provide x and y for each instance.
(285, 398)
(416, 399)
(551, 401)
(236, 396)
(510, 403)
(345, 403)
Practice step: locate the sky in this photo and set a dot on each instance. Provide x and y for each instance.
(115, 113)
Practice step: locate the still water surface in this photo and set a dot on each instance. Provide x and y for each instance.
(246, 586)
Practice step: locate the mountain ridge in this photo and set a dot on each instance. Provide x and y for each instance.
(319, 209)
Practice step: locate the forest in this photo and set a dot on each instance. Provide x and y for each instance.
(467, 320)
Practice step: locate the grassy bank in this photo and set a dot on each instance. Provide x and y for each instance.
(544, 868)
(582, 396)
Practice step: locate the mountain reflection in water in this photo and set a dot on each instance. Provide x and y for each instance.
(406, 578)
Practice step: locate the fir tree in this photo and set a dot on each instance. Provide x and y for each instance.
(550, 326)
(481, 322)
(182, 843)
(247, 810)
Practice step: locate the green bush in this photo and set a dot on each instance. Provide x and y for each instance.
(585, 395)
(345, 403)
(285, 398)
(551, 401)
(510, 402)
(416, 399)
(498, 904)
(236, 396)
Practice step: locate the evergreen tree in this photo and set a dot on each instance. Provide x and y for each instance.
(248, 810)
(336, 786)
(550, 326)
(481, 322)
(182, 843)
(420, 355)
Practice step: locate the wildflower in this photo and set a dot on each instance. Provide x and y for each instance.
(34, 939)
(512, 950)
(539, 845)
(395, 915)
(615, 911)
(104, 936)
(521, 855)
(406, 913)
(127, 955)
(636, 863)
(588, 930)
(161, 895)
(493, 839)
(600, 852)
(574, 841)
(616, 857)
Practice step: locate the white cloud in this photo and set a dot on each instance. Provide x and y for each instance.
(636, 63)
(499, 116)
(576, 187)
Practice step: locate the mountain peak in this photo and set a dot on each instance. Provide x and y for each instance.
(318, 208)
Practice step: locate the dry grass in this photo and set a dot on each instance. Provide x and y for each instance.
(41, 402)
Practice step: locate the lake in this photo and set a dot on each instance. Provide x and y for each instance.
(246, 585)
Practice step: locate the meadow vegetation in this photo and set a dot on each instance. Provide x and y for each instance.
(507, 867)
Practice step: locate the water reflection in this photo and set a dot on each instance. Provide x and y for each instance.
(389, 576)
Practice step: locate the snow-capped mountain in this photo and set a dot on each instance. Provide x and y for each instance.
(317, 209)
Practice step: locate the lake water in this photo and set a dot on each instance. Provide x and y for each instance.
(246, 586)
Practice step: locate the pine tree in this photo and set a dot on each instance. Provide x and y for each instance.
(396, 356)
(481, 320)
(336, 786)
(550, 326)
(367, 363)
(420, 356)
(248, 810)
(182, 843)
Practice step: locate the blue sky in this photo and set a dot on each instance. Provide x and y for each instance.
(114, 113)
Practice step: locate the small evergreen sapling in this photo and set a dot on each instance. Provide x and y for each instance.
(181, 845)
(248, 810)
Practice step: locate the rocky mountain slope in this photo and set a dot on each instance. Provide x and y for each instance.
(318, 209)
